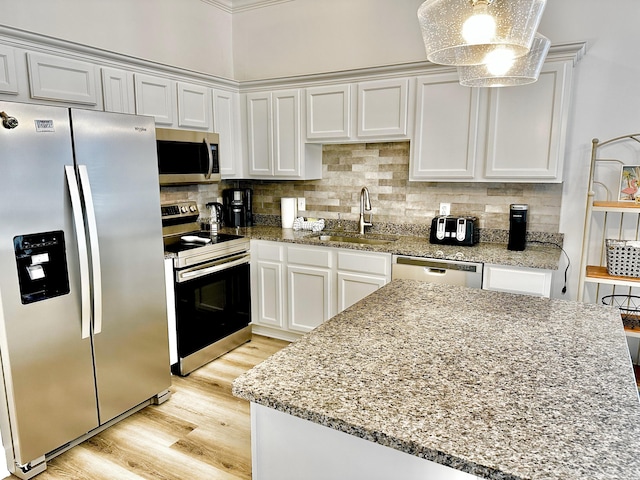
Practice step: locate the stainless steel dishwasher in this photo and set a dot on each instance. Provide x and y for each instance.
(451, 272)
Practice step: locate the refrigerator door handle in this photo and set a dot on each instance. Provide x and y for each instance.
(83, 253)
(95, 248)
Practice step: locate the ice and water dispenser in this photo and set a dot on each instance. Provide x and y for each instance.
(42, 266)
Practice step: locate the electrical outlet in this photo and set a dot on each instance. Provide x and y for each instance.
(302, 204)
(445, 209)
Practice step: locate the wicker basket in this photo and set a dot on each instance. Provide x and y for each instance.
(623, 258)
(629, 306)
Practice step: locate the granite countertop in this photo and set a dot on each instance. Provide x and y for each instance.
(498, 385)
(534, 256)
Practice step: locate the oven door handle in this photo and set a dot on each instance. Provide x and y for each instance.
(201, 271)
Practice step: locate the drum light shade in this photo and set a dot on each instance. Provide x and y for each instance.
(463, 32)
(519, 71)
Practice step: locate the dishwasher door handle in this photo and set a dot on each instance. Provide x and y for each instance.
(434, 271)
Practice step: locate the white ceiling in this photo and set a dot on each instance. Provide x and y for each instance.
(233, 6)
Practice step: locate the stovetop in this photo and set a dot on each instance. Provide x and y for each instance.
(178, 221)
(177, 244)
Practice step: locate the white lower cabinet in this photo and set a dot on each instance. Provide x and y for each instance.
(360, 274)
(295, 287)
(529, 281)
(267, 284)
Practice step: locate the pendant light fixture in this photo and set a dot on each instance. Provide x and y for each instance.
(502, 72)
(464, 32)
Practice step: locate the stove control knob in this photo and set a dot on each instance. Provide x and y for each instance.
(183, 209)
(192, 208)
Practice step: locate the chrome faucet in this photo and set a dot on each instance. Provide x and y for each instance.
(365, 204)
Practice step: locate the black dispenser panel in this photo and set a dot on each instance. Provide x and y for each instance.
(42, 266)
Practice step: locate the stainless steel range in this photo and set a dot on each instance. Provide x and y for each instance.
(210, 288)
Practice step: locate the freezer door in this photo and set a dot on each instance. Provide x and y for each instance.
(118, 154)
(46, 364)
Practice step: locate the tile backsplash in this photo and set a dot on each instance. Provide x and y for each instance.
(384, 169)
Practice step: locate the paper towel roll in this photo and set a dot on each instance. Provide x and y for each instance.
(288, 211)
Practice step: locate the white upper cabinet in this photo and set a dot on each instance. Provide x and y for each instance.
(509, 134)
(118, 91)
(156, 96)
(226, 123)
(526, 128)
(62, 79)
(8, 78)
(329, 112)
(379, 111)
(446, 129)
(274, 138)
(382, 108)
(194, 106)
(259, 138)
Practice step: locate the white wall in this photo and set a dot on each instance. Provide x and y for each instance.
(190, 34)
(311, 36)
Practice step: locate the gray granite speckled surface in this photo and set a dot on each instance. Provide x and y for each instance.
(534, 256)
(498, 385)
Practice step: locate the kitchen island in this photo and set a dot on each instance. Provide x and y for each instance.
(422, 379)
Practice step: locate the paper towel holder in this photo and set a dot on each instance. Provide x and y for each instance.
(288, 211)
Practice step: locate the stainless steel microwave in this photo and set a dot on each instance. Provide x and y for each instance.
(187, 157)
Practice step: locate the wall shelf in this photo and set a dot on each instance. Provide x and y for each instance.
(607, 217)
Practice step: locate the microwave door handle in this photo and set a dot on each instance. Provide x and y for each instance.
(95, 249)
(210, 155)
(83, 253)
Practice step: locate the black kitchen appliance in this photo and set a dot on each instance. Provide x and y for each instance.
(451, 230)
(210, 288)
(238, 207)
(517, 226)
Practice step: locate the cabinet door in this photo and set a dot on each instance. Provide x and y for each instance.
(259, 133)
(329, 112)
(270, 311)
(527, 126)
(8, 78)
(117, 89)
(226, 124)
(286, 133)
(61, 79)
(309, 297)
(194, 106)
(446, 129)
(382, 108)
(155, 97)
(354, 287)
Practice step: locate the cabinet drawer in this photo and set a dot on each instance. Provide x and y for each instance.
(269, 251)
(315, 257)
(530, 281)
(378, 264)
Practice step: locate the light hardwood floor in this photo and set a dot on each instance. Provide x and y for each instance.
(201, 433)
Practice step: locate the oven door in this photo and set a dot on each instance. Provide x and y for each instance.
(213, 301)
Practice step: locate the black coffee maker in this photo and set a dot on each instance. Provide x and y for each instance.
(238, 207)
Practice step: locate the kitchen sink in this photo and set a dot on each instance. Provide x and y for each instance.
(356, 239)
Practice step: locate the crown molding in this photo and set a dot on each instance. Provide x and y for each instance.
(235, 6)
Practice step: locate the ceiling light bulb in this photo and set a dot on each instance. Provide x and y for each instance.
(499, 61)
(480, 27)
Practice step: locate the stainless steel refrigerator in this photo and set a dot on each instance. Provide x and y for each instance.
(83, 328)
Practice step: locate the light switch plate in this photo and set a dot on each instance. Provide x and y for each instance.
(445, 208)
(302, 204)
